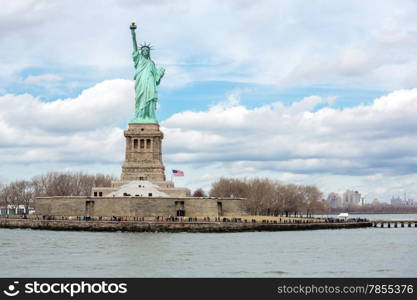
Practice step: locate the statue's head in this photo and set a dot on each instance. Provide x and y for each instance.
(145, 50)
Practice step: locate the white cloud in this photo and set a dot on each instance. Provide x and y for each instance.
(102, 105)
(375, 142)
(362, 139)
(81, 129)
(287, 43)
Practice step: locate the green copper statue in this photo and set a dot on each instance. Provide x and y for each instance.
(147, 77)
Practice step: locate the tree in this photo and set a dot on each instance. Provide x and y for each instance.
(69, 184)
(268, 197)
(260, 194)
(5, 194)
(23, 192)
(199, 193)
(312, 199)
(229, 187)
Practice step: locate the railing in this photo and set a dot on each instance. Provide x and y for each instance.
(394, 223)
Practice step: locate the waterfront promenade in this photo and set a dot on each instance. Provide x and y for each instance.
(175, 224)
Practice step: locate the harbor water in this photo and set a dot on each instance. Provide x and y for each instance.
(364, 252)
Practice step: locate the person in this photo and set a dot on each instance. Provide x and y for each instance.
(146, 77)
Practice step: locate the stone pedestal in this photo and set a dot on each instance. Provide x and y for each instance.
(143, 159)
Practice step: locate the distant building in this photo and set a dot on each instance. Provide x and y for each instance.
(334, 200)
(397, 201)
(351, 198)
(375, 202)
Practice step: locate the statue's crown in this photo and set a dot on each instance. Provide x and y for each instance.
(145, 45)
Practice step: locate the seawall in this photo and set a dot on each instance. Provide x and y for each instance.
(132, 226)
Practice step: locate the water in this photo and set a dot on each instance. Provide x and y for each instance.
(364, 252)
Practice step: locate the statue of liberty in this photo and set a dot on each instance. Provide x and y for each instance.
(146, 77)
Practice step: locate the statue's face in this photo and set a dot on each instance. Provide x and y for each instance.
(145, 51)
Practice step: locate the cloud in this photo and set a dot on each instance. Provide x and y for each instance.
(101, 105)
(282, 43)
(81, 129)
(363, 140)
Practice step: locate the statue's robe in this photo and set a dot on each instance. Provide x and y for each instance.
(146, 77)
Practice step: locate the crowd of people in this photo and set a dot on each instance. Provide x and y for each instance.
(344, 220)
(182, 219)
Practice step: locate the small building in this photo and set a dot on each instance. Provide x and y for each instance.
(12, 209)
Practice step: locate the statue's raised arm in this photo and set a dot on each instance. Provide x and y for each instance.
(132, 29)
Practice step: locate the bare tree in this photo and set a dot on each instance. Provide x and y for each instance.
(260, 194)
(69, 184)
(23, 192)
(199, 193)
(312, 199)
(268, 197)
(5, 194)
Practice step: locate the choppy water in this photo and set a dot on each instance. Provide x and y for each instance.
(365, 252)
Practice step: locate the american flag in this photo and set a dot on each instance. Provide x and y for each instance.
(177, 173)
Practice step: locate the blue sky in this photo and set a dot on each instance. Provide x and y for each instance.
(311, 93)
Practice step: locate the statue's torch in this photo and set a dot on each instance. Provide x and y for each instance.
(133, 25)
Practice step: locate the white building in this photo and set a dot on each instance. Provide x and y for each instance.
(11, 209)
(351, 198)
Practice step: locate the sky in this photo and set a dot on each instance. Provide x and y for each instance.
(304, 92)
